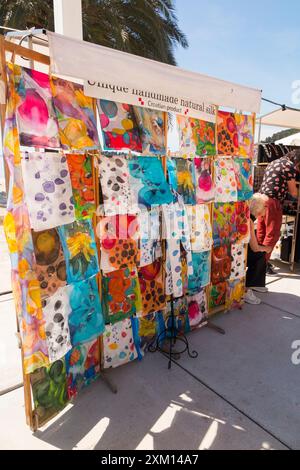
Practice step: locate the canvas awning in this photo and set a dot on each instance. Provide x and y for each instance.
(122, 71)
(289, 119)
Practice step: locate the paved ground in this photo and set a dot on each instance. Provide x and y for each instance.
(242, 392)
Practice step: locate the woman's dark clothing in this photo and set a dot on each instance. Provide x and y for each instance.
(276, 178)
(257, 266)
(256, 272)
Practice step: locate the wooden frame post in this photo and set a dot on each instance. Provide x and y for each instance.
(3, 85)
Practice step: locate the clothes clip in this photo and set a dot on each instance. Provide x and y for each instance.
(96, 160)
(27, 156)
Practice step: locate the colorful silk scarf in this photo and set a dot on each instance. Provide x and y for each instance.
(224, 223)
(205, 189)
(50, 261)
(244, 178)
(86, 320)
(151, 124)
(201, 272)
(221, 264)
(75, 115)
(119, 126)
(197, 309)
(48, 190)
(36, 118)
(148, 182)
(121, 296)
(118, 344)
(115, 187)
(225, 180)
(228, 142)
(152, 289)
(82, 366)
(80, 168)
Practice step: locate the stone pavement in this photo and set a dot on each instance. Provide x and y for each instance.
(242, 392)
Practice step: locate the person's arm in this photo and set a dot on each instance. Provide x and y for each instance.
(254, 243)
(292, 187)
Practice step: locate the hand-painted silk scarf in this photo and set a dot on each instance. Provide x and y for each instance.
(80, 167)
(235, 294)
(75, 115)
(217, 295)
(115, 187)
(225, 180)
(242, 222)
(86, 320)
(37, 122)
(121, 296)
(49, 390)
(201, 272)
(244, 178)
(50, 261)
(80, 250)
(152, 289)
(25, 284)
(228, 143)
(176, 232)
(197, 309)
(245, 128)
(83, 366)
(119, 126)
(200, 227)
(187, 146)
(204, 137)
(150, 245)
(148, 182)
(180, 322)
(48, 190)
(57, 310)
(221, 264)
(119, 245)
(205, 189)
(184, 181)
(118, 344)
(238, 265)
(224, 223)
(152, 130)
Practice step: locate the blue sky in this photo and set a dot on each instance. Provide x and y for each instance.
(254, 42)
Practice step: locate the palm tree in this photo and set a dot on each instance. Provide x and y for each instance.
(148, 28)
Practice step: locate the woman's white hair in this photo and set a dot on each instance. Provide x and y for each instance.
(257, 204)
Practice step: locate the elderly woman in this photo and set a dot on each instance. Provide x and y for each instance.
(256, 262)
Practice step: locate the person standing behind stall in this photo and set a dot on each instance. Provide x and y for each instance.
(256, 259)
(279, 180)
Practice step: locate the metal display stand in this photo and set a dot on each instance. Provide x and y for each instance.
(173, 336)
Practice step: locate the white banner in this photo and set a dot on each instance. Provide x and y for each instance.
(94, 63)
(149, 99)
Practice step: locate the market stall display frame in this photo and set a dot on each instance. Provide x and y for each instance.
(31, 417)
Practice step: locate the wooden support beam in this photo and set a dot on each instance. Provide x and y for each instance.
(24, 52)
(3, 84)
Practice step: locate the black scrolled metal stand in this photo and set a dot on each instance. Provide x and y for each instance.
(171, 334)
